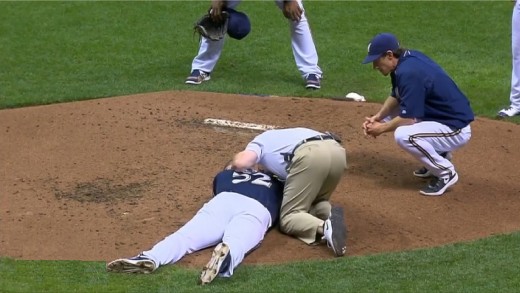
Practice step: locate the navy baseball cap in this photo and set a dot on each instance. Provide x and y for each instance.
(380, 44)
(239, 25)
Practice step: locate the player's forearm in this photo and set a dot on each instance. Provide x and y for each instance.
(388, 106)
(244, 160)
(396, 122)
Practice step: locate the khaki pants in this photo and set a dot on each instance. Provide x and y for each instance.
(313, 175)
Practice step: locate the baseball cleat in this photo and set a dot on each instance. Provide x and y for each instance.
(335, 232)
(508, 112)
(438, 186)
(135, 265)
(312, 81)
(219, 262)
(197, 77)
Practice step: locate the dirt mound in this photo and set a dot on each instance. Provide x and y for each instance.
(108, 178)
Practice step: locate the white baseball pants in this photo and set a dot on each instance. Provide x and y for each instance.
(515, 48)
(304, 50)
(239, 221)
(425, 140)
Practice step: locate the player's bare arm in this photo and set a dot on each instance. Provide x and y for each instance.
(216, 9)
(377, 128)
(389, 105)
(292, 10)
(244, 160)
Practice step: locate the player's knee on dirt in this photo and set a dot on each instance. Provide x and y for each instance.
(321, 210)
(287, 224)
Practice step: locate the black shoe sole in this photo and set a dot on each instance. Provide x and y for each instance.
(339, 231)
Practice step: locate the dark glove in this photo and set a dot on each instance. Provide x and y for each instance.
(211, 29)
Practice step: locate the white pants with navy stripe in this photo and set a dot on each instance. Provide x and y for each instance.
(239, 221)
(425, 140)
(304, 50)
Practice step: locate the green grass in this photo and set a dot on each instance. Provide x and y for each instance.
(65, 51)
(489, 265)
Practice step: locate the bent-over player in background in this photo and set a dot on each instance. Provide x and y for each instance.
(433, 115)
(246, 204)
(302, 42)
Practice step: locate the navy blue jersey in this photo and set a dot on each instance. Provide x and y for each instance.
(259, 186)
(427, 93)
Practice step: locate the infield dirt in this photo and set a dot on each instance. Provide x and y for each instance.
(108, 178)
